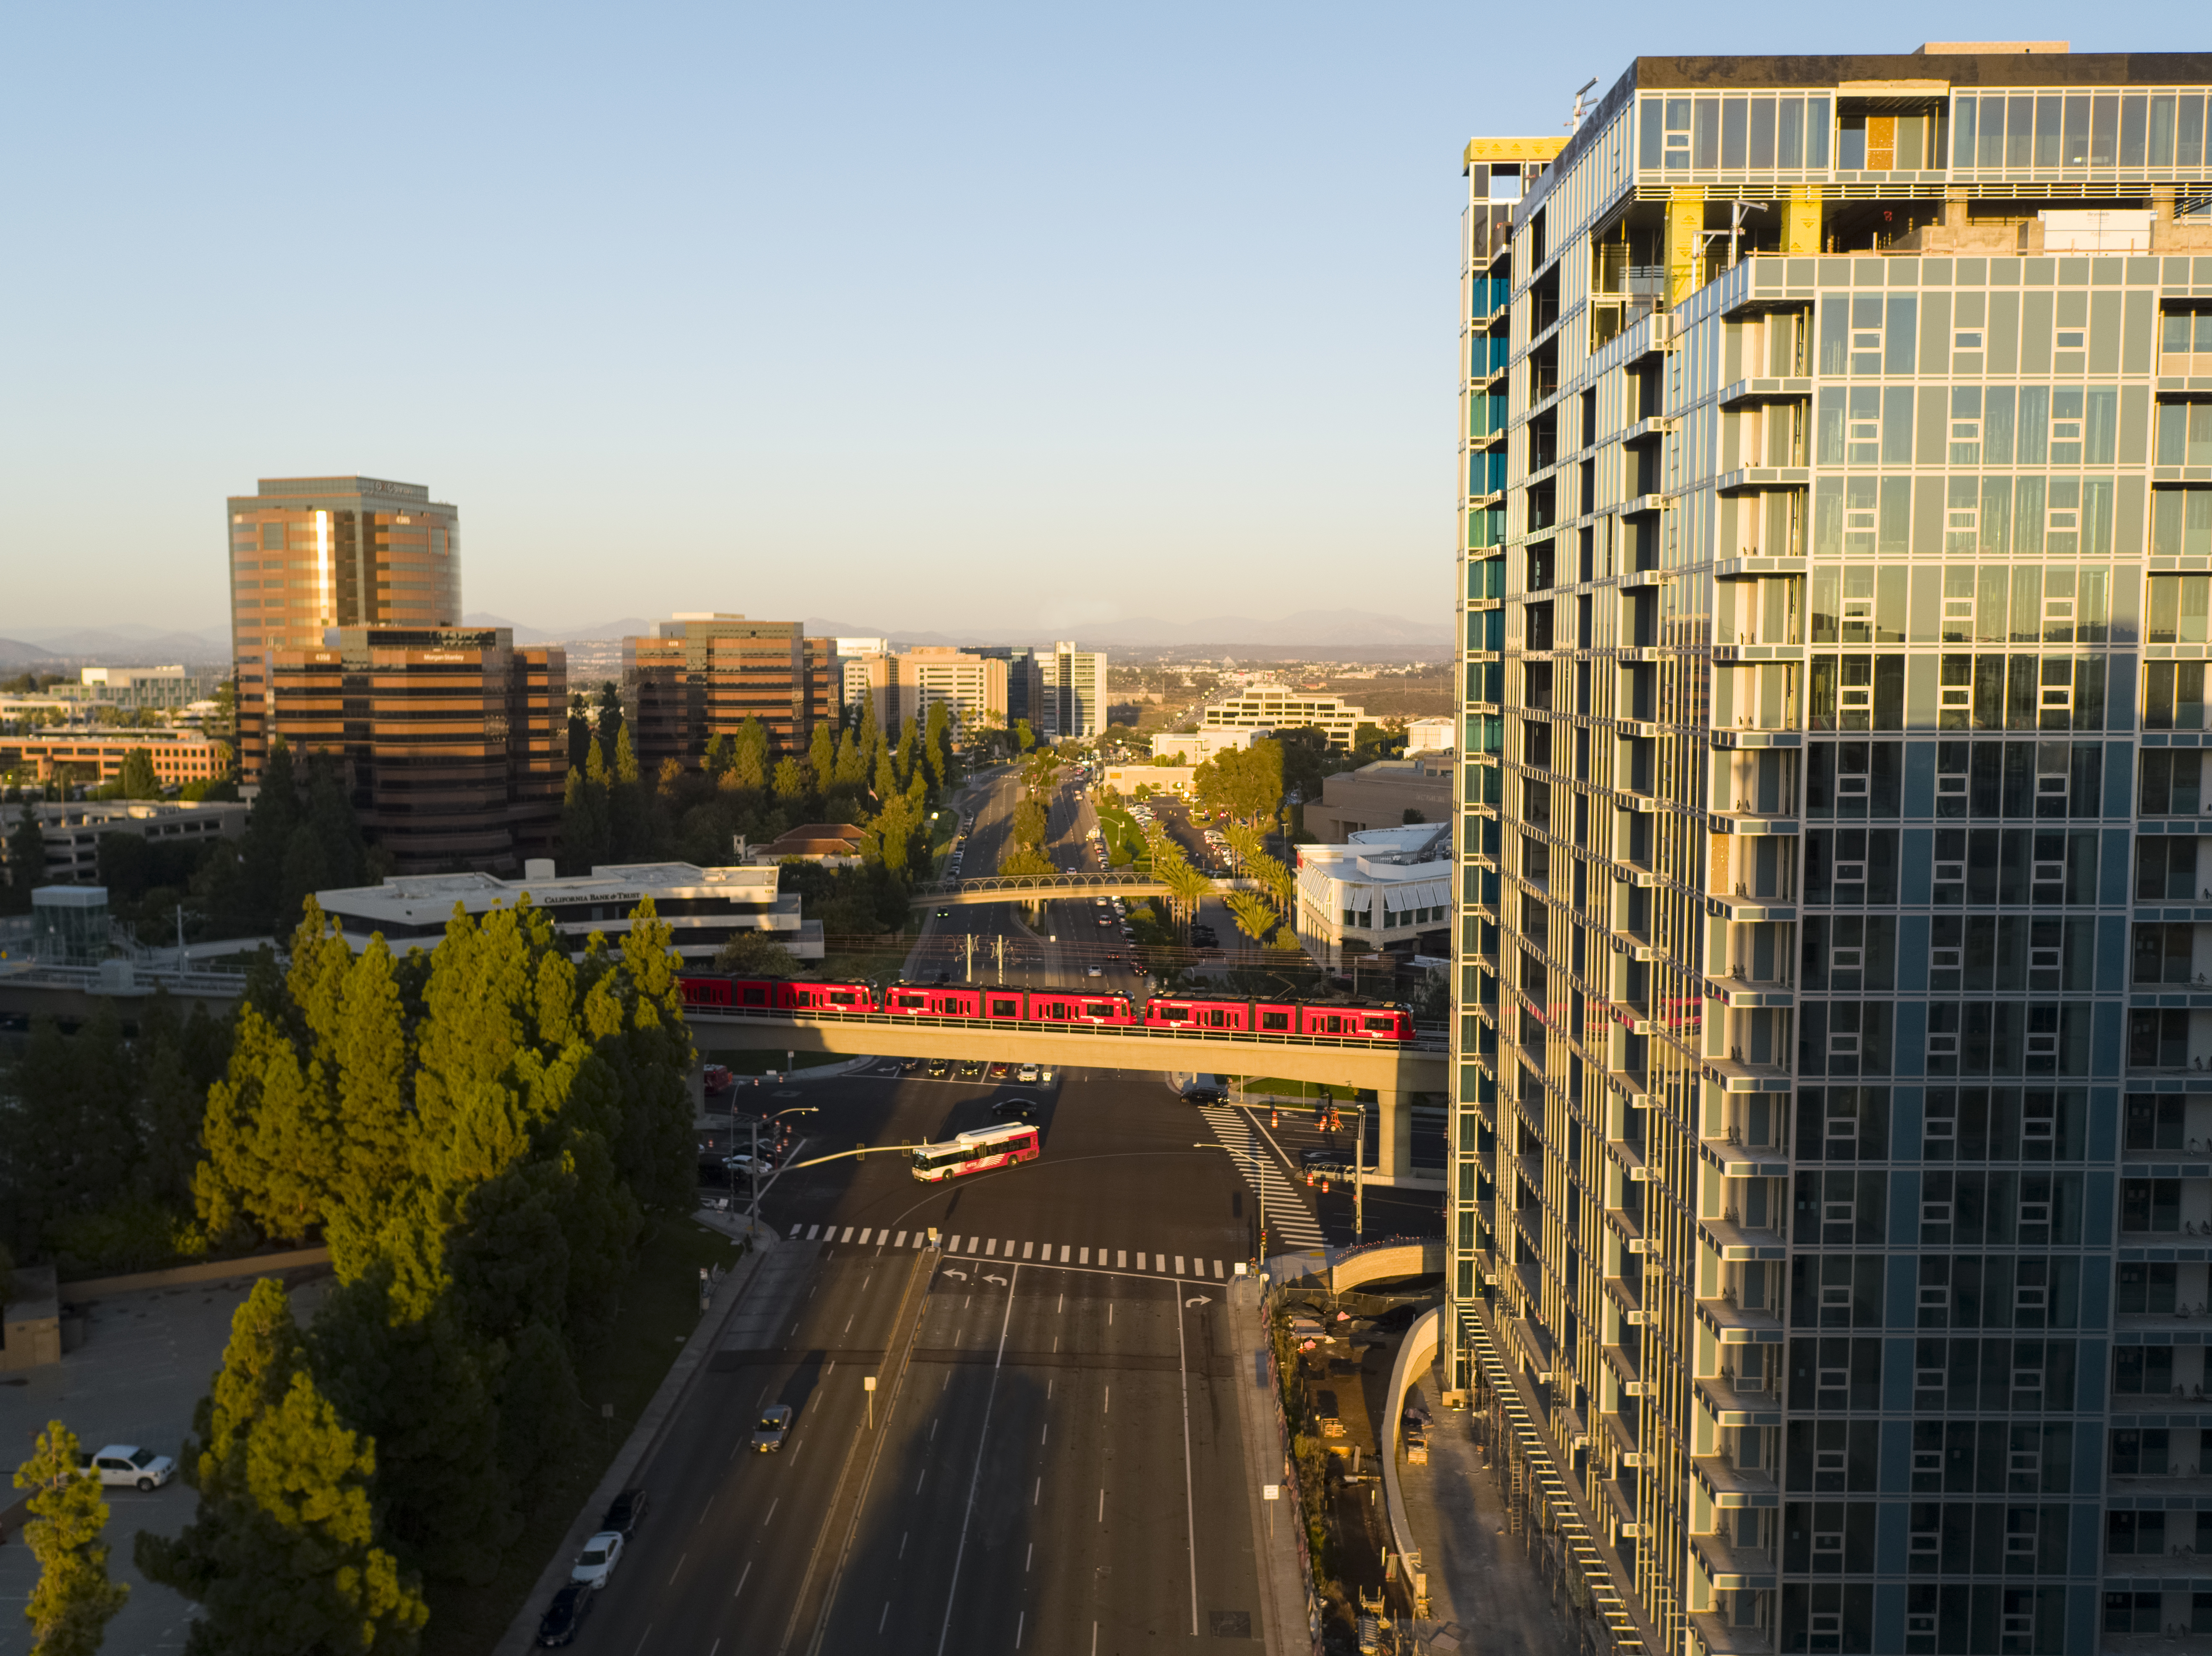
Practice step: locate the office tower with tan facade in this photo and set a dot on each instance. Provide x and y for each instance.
(905, 684)
(704, 675)
(1832, 1204)
(455, 741)
(308, 554)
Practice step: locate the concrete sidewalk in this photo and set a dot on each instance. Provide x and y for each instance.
(1484, 1594)
(1285, 1622)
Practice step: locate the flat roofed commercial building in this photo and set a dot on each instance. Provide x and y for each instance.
(308, 554)
(455, 741)
(703, 676)
(88, 756)
(72, 832)
(1835, 528)
(1271, 707)
(1387, 889)
(1072, 694)
(1379, 795)
(704, 907)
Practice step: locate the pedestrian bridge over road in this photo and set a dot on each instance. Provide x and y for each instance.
(1052, 887)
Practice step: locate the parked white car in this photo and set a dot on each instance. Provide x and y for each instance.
(132, 1467)
(598, 1560)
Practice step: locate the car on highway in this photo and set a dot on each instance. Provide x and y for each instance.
(130, 1466)
(1015, 1109)
(565, 1615)
(596, 1561)
(1026, 1074)
(1094, 971)
(944, 914)
(772, 1428)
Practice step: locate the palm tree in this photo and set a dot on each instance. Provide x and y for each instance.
(1252, 916)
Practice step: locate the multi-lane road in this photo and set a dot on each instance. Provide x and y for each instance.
(1053, 1458)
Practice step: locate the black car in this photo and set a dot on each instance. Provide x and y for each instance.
(1015, 1109)
(624, 1511)
(939, 1067)
(565, 1614)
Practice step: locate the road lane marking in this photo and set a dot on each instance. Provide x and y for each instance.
(900, 1242)
(1217, 1271)
(903, 1534)
(1159, 1262)
(1109, 1409)
(1101, 1503)
(641, 1643)
(1060, 1306)
(1029, 1250)
(1010, 1247)
(703, 1511)
(678, 1570)
(1083, 1257)
(813, 1231)
(1189, 1500)
(990, 1249)
(933, 1428)
(1044, 1438)
(1027, 1558)
(975, 1477)
(1063, 1253)
(1122, 1260)
(972, 1241)
(847, 1236)
(880, 1620)
(771, 1514)
(796, 1228)
(1020, 1622)
(953, 1246)
(849, 1323)
(863, 1236)
(919, 1481)
(1178, 1265)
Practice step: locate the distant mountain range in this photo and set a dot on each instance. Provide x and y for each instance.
(1318, 628)
(132, 644)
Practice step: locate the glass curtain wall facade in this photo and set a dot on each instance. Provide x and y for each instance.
(307, 554)
(1832, 1138)
(455, 741)
(704, 675)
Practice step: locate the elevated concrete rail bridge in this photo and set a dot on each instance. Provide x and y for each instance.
(1392, 1071)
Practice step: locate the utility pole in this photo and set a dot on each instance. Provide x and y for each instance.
(969, 976)
(1358, 1174)
(1000, 940)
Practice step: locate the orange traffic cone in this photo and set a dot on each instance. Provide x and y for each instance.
(1324, 1187)
(1274, 1118)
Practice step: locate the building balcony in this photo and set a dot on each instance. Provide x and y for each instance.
(1743, 993)
(2185, 1479)
(1743, 393)
(1737, 1160)
(1619, 1442)
(1744, 737)
(1744, 908)
(1622, 1363)
(1624, 1299)
(1745, 478)
(1733, 1568)
(1735, 1074)
(1621, 1506)
(1630, 1232)
(1735, 1241)
(2191, 1316)
(2176, 1564)
(1730, 1485)
(1722, 1637)
(1733, 1325)
(1730, 1407)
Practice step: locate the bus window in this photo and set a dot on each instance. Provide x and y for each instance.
(1275, 1020)
(1006, 1009)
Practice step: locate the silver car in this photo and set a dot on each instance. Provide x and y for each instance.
(774, 1426)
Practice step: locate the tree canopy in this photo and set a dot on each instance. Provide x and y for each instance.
(71, 1608)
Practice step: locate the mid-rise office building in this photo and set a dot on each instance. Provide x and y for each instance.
(1072, 694)
(1271, 707)
(1024, 682)
(1831, 1210)
(308, 554)
(901, 685)
(454, 740)
(703, 676)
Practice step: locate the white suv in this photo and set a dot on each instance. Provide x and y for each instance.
(128, 1465)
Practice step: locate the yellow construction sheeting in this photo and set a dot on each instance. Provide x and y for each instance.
(1800, 223)
(1685, 221)
(1510, 149)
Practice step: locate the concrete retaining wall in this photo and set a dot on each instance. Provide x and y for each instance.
(213, 1271)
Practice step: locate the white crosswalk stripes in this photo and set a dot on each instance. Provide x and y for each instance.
(1113, 1260)
(1291, 1220)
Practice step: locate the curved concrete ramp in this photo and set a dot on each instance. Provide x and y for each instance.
(1417, 1256)
(1415, 1355)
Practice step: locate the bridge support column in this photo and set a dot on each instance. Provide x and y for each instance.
(1393, 1138)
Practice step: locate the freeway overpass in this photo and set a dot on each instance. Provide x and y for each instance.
(1052, 887)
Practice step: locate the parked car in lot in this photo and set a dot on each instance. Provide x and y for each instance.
(596, 1563)
(971, 1072)
(624, 1512)
(773, 1427)
(130, 1466)
(939, 1067)
(565, 1615)
(998, 1071)
(1026, 1074)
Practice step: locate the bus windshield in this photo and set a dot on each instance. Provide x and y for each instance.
(943, 1155)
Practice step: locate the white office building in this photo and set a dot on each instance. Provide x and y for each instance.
(1271, 707)
(1383, 891)
(1073, 693)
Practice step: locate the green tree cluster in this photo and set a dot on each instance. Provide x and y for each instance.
(284, 1552)
(71, 1608)
(302, 836)
(1246, 783)
(476, 1133)
(103, 1132)
(137, 781)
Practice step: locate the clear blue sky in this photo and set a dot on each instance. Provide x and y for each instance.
(924, 316)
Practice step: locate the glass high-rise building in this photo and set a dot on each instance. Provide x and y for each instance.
(1832, 1197)
(308, 554)
(703, 674)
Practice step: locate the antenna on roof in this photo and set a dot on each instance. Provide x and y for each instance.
(1574, 122)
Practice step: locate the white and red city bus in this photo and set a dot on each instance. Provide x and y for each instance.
(976, 1152)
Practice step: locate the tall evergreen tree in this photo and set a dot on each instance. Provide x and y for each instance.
(282, 1554)
(719, 752)
(791, 781)
(886, 783)
(72, 1135)
(749, 759)
(72, 1607)
(850, 771)
(27, 854)
(822, 753)
(937, 745)
(137, 781)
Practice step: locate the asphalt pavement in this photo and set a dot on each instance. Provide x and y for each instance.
(1051, 1458)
